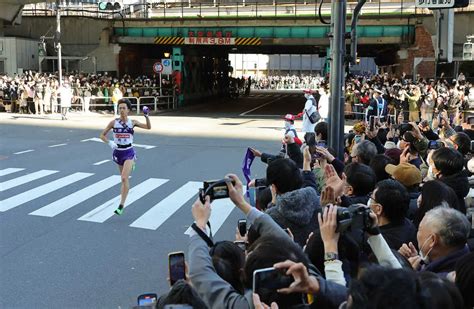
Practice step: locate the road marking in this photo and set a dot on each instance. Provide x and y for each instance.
(221, 209)
(106, 210)
(24, 179)
(96, 139)
(77, 197)
(32, 194)
(158, 214)
(260, 106)
(101, 162)
(25, 151)
(58, 145)
(11, 170)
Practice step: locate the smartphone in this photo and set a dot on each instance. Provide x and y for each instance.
(242, 226)
(215, 189)
(176, 266)
(241, 244)
(262, 182)
(472, 146)
(436, 145)
(470, 120)
(371, 123)
(147, 299)
(178, 306)
(270, 279)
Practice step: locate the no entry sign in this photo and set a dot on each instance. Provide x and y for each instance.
(157, 67)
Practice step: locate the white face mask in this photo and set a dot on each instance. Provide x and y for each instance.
(425, 257)
(398, 144)
(307, 95)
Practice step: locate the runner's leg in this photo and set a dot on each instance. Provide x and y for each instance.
(126, 169)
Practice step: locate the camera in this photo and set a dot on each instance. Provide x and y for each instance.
(354, 217)
(215, 189)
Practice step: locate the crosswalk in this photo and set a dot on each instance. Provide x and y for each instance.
(154, 217)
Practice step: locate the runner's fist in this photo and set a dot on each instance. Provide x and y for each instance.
(146, 111)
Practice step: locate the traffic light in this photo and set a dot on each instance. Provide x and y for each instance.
(109, 6)
(468, 52)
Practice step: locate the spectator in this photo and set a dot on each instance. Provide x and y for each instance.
(363, 152)
(434, 193)
(321, 131)
(447, 165)
(390, 201)
(360, 182)
(464, 278)
(440, 292)
(181, 293)
(442, 238)
(378, 164)
(410, 177)
(295, 207)
(228, 261)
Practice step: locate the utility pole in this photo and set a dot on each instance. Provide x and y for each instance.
(336, 100)
(57, 41)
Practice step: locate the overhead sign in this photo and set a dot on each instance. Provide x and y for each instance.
(434, 4)
(157, 67)
(167, 68)
(209, 41)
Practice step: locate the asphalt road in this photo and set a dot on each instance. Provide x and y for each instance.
(60, 244)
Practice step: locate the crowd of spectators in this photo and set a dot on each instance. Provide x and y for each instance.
(389, 225)
(36, 93)
(279, 82)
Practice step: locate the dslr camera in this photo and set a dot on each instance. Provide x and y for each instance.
(354, 217)
(215, 189)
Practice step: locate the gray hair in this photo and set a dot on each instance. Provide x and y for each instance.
(450, 225)
(366, 150)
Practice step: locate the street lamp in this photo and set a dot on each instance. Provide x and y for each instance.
(167, 55)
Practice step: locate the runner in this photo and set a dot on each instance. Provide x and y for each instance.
(124, 154)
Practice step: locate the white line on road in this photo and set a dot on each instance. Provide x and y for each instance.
(260, 106)
(32, 194)
(77, 197)
(58, 145)
(96, 139)
(25, 151)
(101, 162)
(106, 210)
(158, 214)
(24, 179)
(10, 170)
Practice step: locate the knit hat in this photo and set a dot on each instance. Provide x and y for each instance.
(390, 145)
(407, 174)
(394, 154)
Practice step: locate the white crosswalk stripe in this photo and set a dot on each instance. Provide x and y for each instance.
(24, 179)
(77, 197)
(106, 210)
(8, 171)
(159, 213)
(32, 194)
(152, 219)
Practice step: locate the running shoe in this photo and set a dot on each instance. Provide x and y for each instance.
(118, 211)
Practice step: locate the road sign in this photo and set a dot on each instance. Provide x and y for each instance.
(167, 68)
(157, 67)
(434, 4)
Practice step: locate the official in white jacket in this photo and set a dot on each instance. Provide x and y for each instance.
(309, 108)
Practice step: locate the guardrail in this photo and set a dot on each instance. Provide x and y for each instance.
(86, 103)
(228, 9)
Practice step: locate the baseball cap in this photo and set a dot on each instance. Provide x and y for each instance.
(407, 174)
(289, 117)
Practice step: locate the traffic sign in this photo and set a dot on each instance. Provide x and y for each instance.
(435, 4)
(157, 67)
(167, 68)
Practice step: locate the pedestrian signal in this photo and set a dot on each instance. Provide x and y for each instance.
(467, 51)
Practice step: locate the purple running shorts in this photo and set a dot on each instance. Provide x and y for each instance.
(120, 156)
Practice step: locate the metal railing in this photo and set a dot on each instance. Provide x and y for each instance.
(88, 102)
(228, 9)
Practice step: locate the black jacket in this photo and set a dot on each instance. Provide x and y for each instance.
(397, 235)
(294, 153)
(460, 184)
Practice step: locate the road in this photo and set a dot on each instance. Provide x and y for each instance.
(60, 244)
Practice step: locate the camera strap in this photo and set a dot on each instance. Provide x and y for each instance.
(207, 239)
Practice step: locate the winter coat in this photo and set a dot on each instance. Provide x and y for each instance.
(397, 235)
(297, 210)
(460, 184)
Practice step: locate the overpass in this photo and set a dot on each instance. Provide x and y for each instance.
(131, 40)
